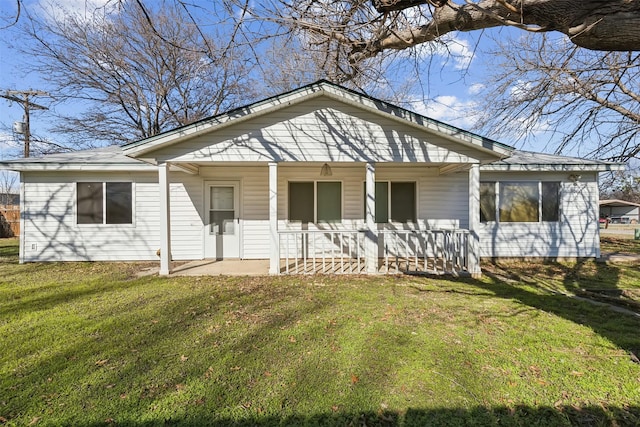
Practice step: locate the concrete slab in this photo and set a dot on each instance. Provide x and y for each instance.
(227, 267)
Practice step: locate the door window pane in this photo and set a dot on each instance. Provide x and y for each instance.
(301, 199)
(222, 198)
(119, 203)
(222, 222)
(519, 202)
(403, 201)
(89, 202)
(487, 201)
(550, 201)
(329, 201)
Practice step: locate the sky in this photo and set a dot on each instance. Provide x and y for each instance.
(450, 86)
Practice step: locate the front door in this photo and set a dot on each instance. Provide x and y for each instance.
(222, 213)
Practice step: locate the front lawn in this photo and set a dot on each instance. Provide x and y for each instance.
(93, 344)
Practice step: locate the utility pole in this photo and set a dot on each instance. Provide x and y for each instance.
(22, 97)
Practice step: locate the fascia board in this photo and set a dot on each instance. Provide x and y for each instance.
(554, 167)
(31, 167)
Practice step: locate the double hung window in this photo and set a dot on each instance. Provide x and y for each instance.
(319, 201)
(395, 201)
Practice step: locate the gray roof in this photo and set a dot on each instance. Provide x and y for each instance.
(111, 154)
(105, 158)
(529, 160)
(617, 202)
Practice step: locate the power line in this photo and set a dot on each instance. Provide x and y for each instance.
(22, 97)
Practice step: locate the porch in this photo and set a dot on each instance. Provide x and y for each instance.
(344, 252)
(362, 219)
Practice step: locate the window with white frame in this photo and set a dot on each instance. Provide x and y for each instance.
(395, 201)
(519, 201)
(104, 203)
(315, 201)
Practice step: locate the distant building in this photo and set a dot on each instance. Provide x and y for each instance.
(620, 211)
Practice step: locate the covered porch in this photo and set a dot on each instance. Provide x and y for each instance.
(356, 242)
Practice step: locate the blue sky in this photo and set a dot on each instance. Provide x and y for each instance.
(450, 82)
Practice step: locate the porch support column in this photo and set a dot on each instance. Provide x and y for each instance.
(274, 240)
(474, 221)
(371, 240)
(165, 221)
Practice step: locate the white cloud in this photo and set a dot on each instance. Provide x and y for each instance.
(475, 88)
(448, 109)
(59, 9)
(10, 147)
(453, 51)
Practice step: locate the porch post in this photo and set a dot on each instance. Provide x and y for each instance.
(371, 240)
(474, 221)
(165, 221)
(274, 257)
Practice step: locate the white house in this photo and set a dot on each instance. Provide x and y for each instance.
(319, 179)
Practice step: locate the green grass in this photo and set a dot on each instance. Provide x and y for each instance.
(620, 245)
(92, 344)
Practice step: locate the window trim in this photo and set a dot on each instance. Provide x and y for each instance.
(389, 182)
(539, 183)
(104, 222)
(315, 200)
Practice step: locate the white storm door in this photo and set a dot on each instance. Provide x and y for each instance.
(222, 213)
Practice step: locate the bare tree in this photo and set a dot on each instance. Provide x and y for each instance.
(132, 72)
(589, 100)
(352, 32)
(8, 187)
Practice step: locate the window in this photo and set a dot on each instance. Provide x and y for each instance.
(402, 196)
(315, 201)
(532, 201)
(487, 201)
(550, 201)
(95, 199)
(519, 202)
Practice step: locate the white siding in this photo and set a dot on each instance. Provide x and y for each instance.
(51, 232)
(320, 130)
(187, 224)
(441, 199)
(575, 235)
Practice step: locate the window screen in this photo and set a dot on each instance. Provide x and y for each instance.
(329, 201)
(403, 201)
(89, 203)
(487, 201)
(519, 202)
(119, 203)
(550, 201)
(301, 197)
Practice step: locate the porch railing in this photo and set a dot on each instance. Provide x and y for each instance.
(322, 251)
(424, 251)
(399, 251)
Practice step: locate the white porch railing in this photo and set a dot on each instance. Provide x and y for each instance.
(424, 251)
(322, 251)
(399, 251)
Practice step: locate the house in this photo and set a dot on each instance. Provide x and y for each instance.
(319, 179)
(620, 211)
